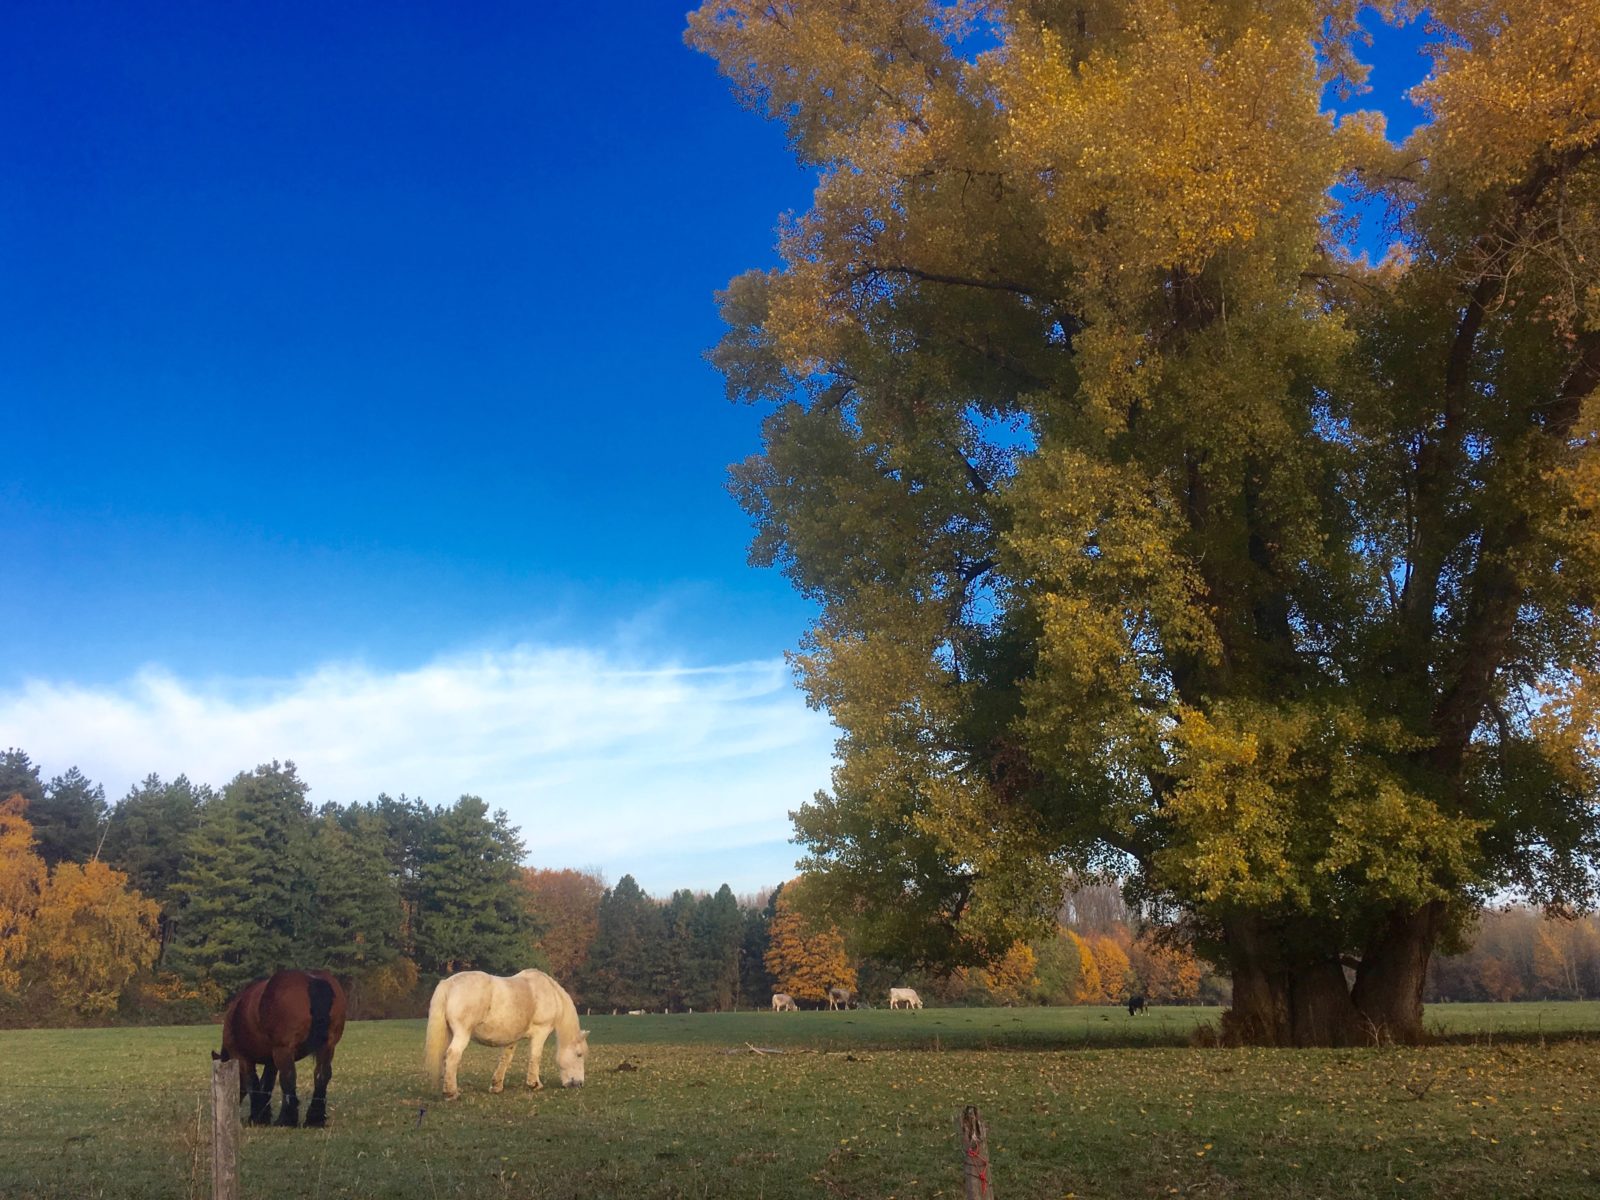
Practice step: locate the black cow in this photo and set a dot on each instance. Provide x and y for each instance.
(1137, 1004)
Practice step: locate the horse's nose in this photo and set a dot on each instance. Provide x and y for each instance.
(573, 1083)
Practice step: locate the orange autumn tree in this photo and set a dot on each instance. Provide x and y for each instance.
(22, 876)
(567, 904)
(1089, 985)
(91, 934)
(1012, 977)
(77, 933)
(806, 958)
(1112, 963)
(1167, 972)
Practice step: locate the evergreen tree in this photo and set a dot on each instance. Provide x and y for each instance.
(20, 777)
(399, 830)
(756, 983)
(626, 961)
(718, 932)
(148, 838)
(246, 899)
(354, 927)
(471, 912)
(67, 821)
(680, 982)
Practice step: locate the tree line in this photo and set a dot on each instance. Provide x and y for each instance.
(158, 906)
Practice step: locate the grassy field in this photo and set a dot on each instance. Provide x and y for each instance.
(1081, 1102)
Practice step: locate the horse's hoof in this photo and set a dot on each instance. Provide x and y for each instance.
(452, 1095)
(497, 1088)
(536, 1085)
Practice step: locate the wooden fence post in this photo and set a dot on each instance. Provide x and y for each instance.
(975, 1155)
(225, 1130)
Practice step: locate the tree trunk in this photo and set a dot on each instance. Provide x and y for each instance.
(1283, 998)
(1393, 971)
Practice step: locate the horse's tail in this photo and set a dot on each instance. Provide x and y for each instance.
(321, 996)
(438, 1037)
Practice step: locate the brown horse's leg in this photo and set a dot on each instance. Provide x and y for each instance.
(261, 1093)
(289, 1114)
(317, 1111)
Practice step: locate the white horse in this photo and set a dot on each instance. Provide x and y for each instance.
(493, 1011)
(904, 998)
(783, 1002)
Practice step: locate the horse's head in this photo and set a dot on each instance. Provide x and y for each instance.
(569, 1059)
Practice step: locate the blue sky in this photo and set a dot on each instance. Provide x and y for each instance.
(354, 413)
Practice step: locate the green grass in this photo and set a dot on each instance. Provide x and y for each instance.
(1081, 1102)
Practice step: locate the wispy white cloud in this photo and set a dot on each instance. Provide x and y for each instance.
(682, 776)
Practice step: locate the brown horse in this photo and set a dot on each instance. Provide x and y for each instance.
(271, 1023)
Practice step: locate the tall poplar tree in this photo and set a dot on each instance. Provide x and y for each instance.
(1149, 526)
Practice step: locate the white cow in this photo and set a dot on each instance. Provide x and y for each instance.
(904, 998)
(783, 1002)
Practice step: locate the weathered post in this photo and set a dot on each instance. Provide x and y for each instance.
(975, 1155)
(225, 1130)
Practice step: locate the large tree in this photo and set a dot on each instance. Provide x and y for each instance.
(147, 838)
(471, 911)
(627, 963)
(246, 898)
(1148, 526)
(69, 821)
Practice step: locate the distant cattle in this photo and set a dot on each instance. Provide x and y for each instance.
(1137, 1004)
(783, 1002)
(904, 998)
(839, 997)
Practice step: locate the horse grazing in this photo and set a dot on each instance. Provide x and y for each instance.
(1137, 1004)
(839, 997)
(495, 1011)
(272, 1023)
(783, 1002)
(904, 998)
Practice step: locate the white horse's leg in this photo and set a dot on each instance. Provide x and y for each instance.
(535, 1053)
(452, 1059)
(501, 1067)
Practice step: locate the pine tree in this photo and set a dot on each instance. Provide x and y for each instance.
(68, 820)
(756, 983)
(471, 912)
(718, 932)
(681, 978)
(20, 777)
(354, 928)
(148, 836)
(626, 961)
(245, 897)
